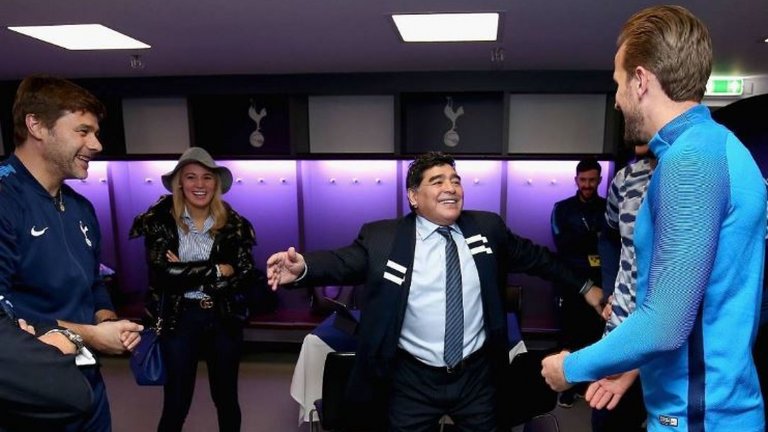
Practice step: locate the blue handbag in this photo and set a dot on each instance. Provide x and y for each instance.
(147, 359)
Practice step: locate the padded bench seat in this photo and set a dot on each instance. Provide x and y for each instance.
(282, 325)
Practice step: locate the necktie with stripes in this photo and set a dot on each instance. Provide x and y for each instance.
(454, 311)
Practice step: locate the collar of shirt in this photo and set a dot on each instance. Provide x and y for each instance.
(195, 245)
(425, 228)
(187, 219)
(667, 135)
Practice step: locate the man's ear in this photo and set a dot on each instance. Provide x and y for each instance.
(35, 127)
(641, 78)
(412, 198)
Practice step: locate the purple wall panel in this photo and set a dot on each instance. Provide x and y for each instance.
(265, 193)
(96, 189)
(533, 187)
(401, 192)
(481, 181)
(136, 186)
(258, 194)
(337, 197)
(340, 196)
(482, 184)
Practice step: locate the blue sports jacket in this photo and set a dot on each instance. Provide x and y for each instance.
(700, 242)
(49, 259)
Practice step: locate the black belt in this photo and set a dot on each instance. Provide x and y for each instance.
(461, 365)
(203, 303)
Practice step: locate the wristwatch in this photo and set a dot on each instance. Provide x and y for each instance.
(73, 337)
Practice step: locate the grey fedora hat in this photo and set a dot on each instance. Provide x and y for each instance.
(200, 156)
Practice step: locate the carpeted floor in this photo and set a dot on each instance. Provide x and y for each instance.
(265, 401)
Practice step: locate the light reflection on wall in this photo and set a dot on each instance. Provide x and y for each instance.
(339, 196)
(330, 198)
(533, 187)
(96, 188)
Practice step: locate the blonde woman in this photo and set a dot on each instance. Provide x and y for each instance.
(200, 263)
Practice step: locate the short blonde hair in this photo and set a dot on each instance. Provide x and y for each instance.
(673, 44)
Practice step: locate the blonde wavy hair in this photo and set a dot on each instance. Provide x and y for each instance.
(216, 208)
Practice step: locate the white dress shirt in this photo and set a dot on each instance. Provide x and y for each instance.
(423, 332)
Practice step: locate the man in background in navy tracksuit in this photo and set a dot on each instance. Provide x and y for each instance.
(575, 224)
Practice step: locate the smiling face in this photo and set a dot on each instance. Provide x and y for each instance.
(70, 144)
(439, 197)
(198, 185)
(587, 182)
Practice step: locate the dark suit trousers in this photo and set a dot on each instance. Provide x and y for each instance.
(422, 394)
(201, 333)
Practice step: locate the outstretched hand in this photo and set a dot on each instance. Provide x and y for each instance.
(284, 267)
(607, 392)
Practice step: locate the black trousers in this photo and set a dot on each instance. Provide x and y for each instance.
(580, 326)
(627, 416)
(422, 394)
(201, 333)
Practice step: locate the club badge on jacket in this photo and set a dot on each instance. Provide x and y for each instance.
(84, 230)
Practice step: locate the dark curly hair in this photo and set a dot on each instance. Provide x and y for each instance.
(424, 162)
(421, 164)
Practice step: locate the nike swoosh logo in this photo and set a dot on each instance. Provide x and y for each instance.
(36, 233)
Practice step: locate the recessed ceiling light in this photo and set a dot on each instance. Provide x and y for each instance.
(447, 27)
(81, 37)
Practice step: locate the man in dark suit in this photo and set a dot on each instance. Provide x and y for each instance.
(433, 334)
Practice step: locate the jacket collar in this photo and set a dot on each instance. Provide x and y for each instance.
(398, 268)
(22, 170)
(668, 134)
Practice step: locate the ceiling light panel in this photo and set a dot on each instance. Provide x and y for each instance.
(447, 27)
(81, 37)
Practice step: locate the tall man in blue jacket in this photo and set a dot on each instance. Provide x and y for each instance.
(433, 334)
(49, 235)
(699, 241)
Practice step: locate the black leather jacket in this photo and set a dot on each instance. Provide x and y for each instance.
(232, 245)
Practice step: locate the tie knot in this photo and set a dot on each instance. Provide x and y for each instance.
(445, 232)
